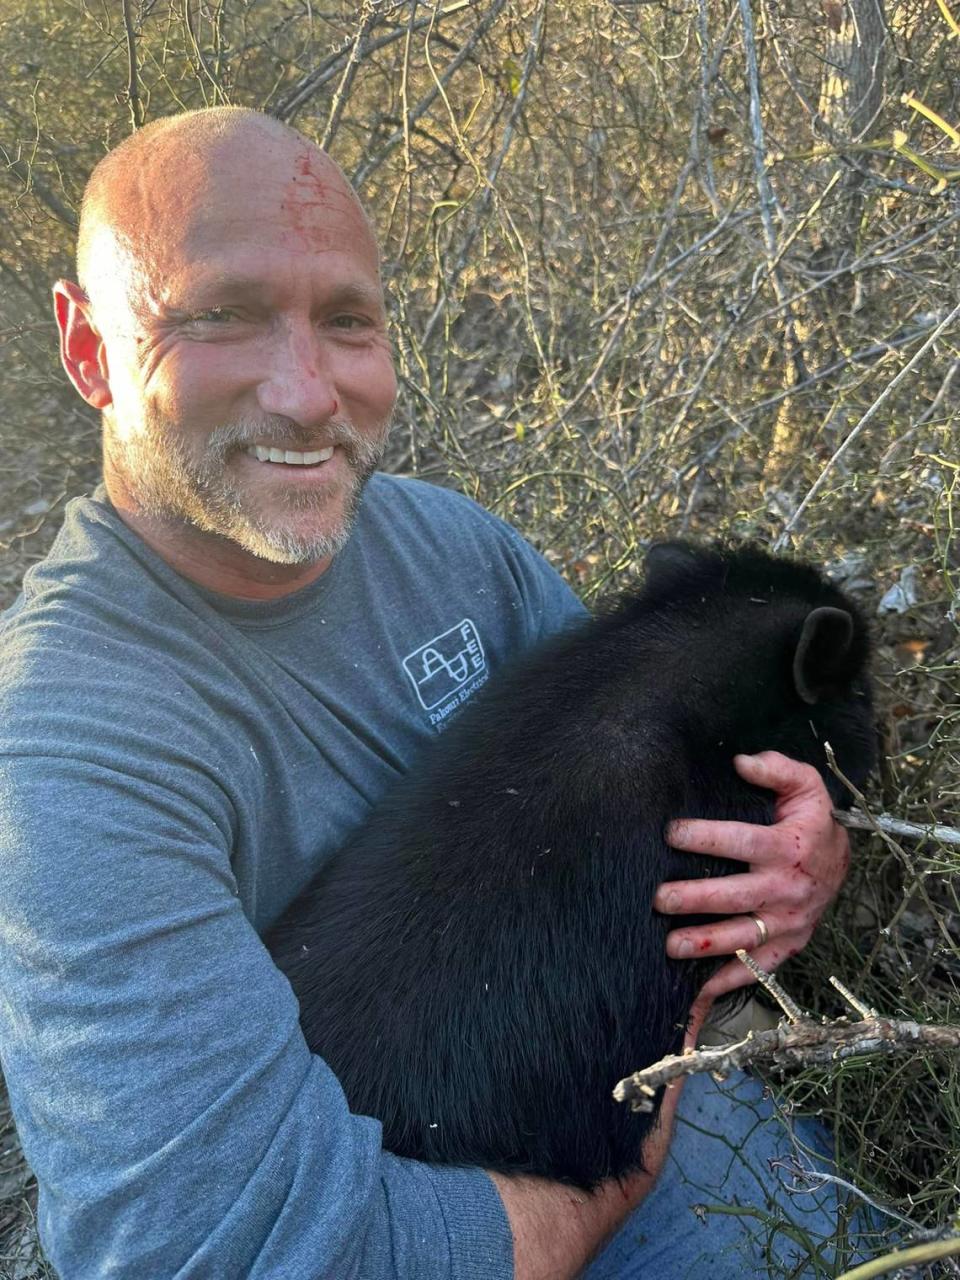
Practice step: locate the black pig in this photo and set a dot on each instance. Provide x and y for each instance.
(481, 963)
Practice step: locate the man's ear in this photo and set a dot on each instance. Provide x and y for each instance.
(82, 349)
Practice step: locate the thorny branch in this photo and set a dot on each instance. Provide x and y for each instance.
(797, 1042)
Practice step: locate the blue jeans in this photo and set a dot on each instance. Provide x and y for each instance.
(720, 1212)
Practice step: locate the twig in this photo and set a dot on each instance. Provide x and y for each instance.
(726, 223)
(917, 884)
(490, 178)
(803, 1044)
(910, 100)
(369, 14)
(931, 411)
(735, 328)
(950, 19)
(327, 69)
(857, 1005)
(929, 1251)
(768, 201)
(467, 50)
(886, 823)
(789, 1006)
(813, 1179)
(32, 184)
(133, 81)
(880, 400)
(876, 350)
(703, 106)
(219, 93)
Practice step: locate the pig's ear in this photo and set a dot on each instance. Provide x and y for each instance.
(668, 562)
(821, 652)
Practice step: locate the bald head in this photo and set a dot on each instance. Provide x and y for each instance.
(154, 187)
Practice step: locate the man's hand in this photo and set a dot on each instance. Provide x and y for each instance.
(795, 869)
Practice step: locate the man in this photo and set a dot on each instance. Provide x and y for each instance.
(205, 686)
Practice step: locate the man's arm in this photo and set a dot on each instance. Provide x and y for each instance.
(163, 1091)
(558, 1230)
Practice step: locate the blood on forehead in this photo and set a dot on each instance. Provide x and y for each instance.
(308, 165)
(260, 199)
(320, 206)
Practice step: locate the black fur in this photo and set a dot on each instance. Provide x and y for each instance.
(481, 963)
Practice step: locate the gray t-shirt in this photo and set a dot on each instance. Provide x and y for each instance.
(174, 766)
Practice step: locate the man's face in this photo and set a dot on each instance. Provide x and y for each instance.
(249, 368)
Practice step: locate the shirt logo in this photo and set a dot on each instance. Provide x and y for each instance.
(447, 669)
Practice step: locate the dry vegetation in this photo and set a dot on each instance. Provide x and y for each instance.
(654, 269)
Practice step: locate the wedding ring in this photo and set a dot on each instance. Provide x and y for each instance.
(762, 929)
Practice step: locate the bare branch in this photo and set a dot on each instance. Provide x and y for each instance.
(493, 171)
(328, 68)
(900, 1259)
(798, 1045)
(886, 823)
(369, 14)
(856, 1004)
(881, 399)
(467, 50)
(133, 79)
(219, 93)
(765, 191)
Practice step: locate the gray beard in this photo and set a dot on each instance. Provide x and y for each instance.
(168, 485)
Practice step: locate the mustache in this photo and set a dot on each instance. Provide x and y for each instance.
(282, 433)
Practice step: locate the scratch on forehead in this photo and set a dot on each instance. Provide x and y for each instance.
(317, 189)
(316, 182)
(308, 165)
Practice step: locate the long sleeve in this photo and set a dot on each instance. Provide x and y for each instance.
(161, 1085)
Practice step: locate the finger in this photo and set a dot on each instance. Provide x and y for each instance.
(725, 937)
(729, 977)
(794, 783)
(743, 841)
(730, 896)
(734, 975)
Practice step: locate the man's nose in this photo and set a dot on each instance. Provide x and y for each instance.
(298, 382)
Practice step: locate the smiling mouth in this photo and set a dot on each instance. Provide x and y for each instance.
(291, 457)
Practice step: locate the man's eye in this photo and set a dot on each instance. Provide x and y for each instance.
(349, 322)
(213, 315)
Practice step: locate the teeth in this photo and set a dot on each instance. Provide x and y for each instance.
(291, 457)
